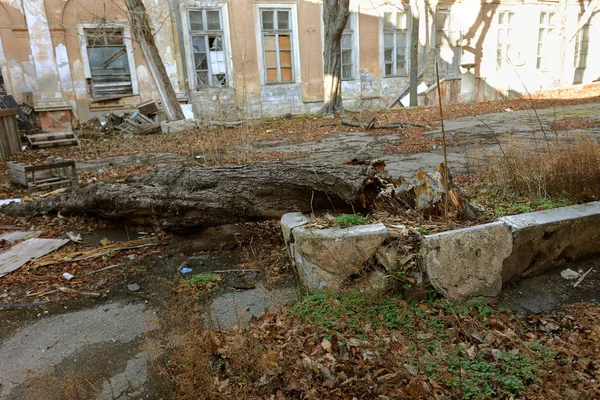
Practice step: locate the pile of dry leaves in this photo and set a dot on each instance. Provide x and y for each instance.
(362, 345)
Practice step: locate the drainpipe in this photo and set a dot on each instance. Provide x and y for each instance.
(181, 48)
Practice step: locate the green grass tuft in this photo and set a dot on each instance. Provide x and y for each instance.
(350, 219)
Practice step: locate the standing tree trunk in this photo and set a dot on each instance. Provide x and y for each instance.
(335, 16)
(414, 53)
(143, 34)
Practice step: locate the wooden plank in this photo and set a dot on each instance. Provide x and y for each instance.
(29, 250)
(8, 112)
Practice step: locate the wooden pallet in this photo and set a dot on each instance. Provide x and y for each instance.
(40, 140)
(59, 172)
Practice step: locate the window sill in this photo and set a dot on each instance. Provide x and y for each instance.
(279, 83)
(111, 98)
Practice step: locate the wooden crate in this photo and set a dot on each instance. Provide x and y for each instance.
(10, 142)
(57, 173)
(39, 140)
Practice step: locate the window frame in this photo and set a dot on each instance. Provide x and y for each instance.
(578, 61)
(448, 70)
(189, 52)
(354, 47)
(395, 31)
(507, 49)
(294, 43)
(205, 33)
(83, 49)
(547, 42)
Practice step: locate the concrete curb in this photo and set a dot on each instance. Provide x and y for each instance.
(477, 261)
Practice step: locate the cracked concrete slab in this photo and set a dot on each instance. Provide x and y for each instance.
(109, 335)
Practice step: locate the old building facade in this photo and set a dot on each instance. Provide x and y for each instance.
(77, 59)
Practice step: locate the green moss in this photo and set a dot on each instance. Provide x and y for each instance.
(350, 219)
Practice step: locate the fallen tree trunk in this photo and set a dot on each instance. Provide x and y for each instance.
(183, 198)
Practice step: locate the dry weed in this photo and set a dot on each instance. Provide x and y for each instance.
(570, 170)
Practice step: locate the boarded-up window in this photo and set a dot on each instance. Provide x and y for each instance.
(109, 64)
(395, 43)
(276, 27)
(208, 49)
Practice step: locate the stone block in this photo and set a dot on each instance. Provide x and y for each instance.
(467, 263)
(180, 126)
(548, 239)
(325, 258)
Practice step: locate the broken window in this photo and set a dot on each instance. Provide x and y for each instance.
(395, 43)
(582, 45)
(504, 51)
(208, 48)
(545, 40)
(276, 26)
(448, 36)
(109, 63)
(348, 49)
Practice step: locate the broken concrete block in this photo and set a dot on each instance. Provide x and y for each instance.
(545, 240)
(467, 263)
(179, 126)
(290, 221)
(325, 258)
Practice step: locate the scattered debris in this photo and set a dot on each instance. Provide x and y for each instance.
(15, 236)
(582, 277)
(56, 173)
(8, 201)
(371, 125)
(31, 249)
(93, 253)
(10, 142)
(134, 287)
(51, 139)
(106, 268)
(74, 237)
(569, 274)
(80, 292)
(68, 276)
(184, 269)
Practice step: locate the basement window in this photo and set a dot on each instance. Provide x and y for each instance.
(395, 43)
(108, 60)
(208, 49)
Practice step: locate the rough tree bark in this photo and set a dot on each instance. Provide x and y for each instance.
(414, 53)
(335, 16)
(184, 198)
(143, 34)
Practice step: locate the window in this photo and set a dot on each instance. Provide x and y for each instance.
(208, 51)
(276, 28)
(348, 49)
(395, 43)
(582, 45)
(447, 42)
(545, 38)
(504, 51)
(108, 62)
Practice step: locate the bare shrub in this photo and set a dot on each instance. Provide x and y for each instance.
(571, 170)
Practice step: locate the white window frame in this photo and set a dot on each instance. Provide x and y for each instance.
(543, 59)
(353, 19)
(578, 61)
(296, 73)
(189, 53)
(446, 69)
(382, 29)
(507, 46)
(87, 72)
